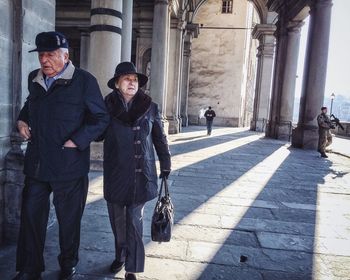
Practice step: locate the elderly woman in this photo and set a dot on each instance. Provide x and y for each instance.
(130, 176)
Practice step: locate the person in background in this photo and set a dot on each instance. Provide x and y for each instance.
(209, 116)
(130, 175)
(324, 134)
(63, 113)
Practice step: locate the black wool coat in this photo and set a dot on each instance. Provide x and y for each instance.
(72, 108)
(130, 174)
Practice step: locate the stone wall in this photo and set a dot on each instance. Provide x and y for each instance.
(36, 16)
(217, 61)
(340, 132)
(248, 92)
(5, 94)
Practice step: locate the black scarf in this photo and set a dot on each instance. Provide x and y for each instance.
(141, 103)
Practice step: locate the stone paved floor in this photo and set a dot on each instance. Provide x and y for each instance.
(235, 193)
(341, 146)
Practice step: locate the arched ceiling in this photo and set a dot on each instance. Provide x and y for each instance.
(194, 5)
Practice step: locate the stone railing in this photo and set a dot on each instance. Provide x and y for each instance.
(340, 132)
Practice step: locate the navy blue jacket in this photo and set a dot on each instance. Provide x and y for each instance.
(72, 108)
(130, 174)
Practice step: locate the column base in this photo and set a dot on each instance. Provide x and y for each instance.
(184, 121)
(96, 156)
(284, 131)
(180, 124)
(174, 126)
(165, 125)
(258, 125)
(305, 137)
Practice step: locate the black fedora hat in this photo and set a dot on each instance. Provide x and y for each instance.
(50, 41)
(125, 68)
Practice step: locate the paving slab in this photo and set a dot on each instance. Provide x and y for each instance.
(236, 194)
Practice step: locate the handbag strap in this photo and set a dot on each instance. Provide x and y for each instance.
(166, 188)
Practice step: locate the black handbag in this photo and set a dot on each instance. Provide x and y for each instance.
(163, 215)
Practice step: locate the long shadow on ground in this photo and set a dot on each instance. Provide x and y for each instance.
(283, 244)
(248, 227)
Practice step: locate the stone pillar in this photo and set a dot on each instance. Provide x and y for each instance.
(185, 79)
(265, 34)
(314, 79)
(22, 39)
(14, 159)
(160, 54)
(127, 30)
(105, 40)
(192, 31)
(285, 118)
(84, 49)
(174, 76)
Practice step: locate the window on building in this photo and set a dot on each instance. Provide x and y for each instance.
(227, 7)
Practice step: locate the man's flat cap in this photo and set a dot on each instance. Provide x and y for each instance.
(50, 41)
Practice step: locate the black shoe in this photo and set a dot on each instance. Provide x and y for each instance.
(116, 266)
(130, 276)
(324, 155)
(27, 276)
(67, 273)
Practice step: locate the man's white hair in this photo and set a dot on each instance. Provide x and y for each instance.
(64, 50)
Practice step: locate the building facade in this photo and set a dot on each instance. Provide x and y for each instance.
(220, 55)
(238, 56)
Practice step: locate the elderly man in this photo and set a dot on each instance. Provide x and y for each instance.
(63, 113)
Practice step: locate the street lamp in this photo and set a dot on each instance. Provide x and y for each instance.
(332, 98)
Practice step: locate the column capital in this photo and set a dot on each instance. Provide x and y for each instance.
(295, 26)
(193, 28)
(176, 23)
(265, 34)
(262, 30)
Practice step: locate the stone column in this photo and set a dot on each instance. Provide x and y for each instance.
(105, 52)
(287, 94)
(185, 79)
(14, 159)
(174, 76)
(21, 38)
(192, 31)
(160, 54)
(84, 49)
(105, 40)
(127, 30)
(315, 70)
(265, 34)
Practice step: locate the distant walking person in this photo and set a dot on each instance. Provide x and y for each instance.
(209, 115)
(325, 136)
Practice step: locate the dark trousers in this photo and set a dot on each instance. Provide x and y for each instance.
(209, 126)
(127, 226)
(69, 199)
